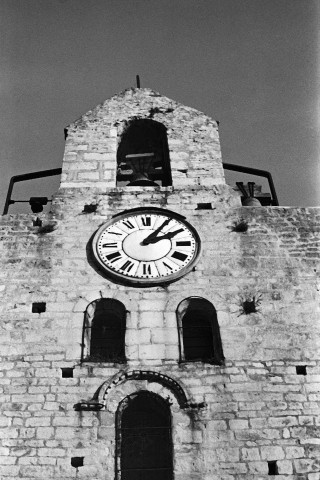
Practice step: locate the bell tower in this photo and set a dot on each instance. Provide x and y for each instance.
(138, 137)
(155, 328)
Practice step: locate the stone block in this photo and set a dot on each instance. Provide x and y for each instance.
(272, 453)
(314, 476)
(38, 422)
(250, 454)
(151, 352)
(172, 352)
(238, 424)
(44, 432)
(151, 305)
(294, 452)
(306, 465)
(151, 319)
(228, 454)
(80, 306)
(88, 176)
(285, 467)
(108, 175)
(99, 156)
(281, 422)
(144, 336)
(258, 468)
(9, 471)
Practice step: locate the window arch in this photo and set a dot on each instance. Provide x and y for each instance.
(143, 155)
(199, 334)
(104, 331)
(143, 438)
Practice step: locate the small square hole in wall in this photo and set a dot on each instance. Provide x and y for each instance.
(273, 468)
(37, 222)
(38, 307)
(67, 372)
(90, 208)
(301, 370)
(77, 462)
(204, 206)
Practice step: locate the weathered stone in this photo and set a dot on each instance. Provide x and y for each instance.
(228, 421)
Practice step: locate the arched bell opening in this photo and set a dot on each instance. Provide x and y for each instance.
(143, 438)
(143, 155)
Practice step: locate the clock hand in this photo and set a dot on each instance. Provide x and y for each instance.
(155, 233)
(168, 236)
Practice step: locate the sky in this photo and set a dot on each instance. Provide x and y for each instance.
(253, 65)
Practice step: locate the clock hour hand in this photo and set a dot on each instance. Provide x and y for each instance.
(154, 234)
(166, 236)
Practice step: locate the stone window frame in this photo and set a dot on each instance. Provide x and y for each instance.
(207, 307)
(113, 306)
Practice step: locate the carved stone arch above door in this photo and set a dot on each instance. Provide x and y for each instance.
(150, 380)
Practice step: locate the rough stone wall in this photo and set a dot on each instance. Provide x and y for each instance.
(92, 141)
(258, 409)
(259, 267)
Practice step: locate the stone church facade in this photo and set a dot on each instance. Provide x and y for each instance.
(197, 357)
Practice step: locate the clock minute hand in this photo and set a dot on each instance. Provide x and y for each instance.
(152, 235)
(166, 236)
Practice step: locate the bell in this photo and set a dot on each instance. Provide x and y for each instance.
(248, 200)
(141, 180)
(141, 165)
(251, 202)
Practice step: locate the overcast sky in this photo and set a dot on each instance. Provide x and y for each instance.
(251, 64)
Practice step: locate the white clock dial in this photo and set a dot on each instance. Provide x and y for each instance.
(147, 246)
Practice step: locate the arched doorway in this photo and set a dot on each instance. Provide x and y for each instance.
(144, 443)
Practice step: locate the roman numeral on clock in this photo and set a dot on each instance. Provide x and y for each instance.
(167, 266)
(146, 221)
(109, 245)
(113, 257)
(179, 256)
(183, 244)
(146, 269)
(127, 266)
(128, 224)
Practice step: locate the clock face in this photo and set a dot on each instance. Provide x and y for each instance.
(146, 247)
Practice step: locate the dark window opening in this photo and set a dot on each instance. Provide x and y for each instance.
(38, 307)
(301, 370)
(197, 336)
(199, 331)
(143, 155)
(107, 332)
(273, 468)
(37, 222)
(67, 372)
(144, 443)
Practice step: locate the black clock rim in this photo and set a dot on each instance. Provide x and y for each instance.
(145, 282)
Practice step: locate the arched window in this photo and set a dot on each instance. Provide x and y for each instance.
(143, 155)
(199, 332)
(144, 443)
(104, 331)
